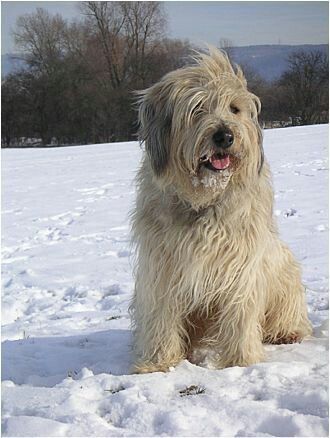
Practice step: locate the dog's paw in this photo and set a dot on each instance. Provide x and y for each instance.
(150, 367)
(291, 338)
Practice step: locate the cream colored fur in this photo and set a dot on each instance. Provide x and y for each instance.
(210, 269)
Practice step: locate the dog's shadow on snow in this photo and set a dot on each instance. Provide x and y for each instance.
(47, 361)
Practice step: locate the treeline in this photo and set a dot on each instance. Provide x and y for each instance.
(300, 96)
(80, 76)
(77, 87)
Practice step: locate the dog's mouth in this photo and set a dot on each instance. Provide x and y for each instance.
(217, 162)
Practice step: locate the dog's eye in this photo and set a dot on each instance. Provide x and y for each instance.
(196, 109)
(234, 109)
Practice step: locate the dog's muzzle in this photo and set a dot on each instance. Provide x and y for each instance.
(223, 138)
(219, 158)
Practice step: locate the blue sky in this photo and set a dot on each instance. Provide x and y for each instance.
(243, 23)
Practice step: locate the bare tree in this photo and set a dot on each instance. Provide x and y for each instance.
(80, 76)
(106, 21)
(39, 36)
(167, 55)
(41, 39)
(306, 87)
(144, 24)
(124, 36)
(126, 32)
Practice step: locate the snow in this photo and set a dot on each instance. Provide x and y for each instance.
(67, 281)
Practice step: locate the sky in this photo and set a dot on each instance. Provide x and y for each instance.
(242, 23)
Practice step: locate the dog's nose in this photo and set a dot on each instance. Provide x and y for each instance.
(223, 138)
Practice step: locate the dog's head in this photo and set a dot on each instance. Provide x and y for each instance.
(200, 129)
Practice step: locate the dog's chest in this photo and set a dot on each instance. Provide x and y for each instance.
(203, 254)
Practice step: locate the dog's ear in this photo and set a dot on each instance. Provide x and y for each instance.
(155, 129)
(256, 109)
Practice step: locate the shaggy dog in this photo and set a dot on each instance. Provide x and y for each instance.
(211, 270)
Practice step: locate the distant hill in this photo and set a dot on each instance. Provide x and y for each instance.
(270, 61)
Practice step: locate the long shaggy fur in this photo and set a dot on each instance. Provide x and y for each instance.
(211, 270)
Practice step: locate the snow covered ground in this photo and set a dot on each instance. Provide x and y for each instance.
(67, 281)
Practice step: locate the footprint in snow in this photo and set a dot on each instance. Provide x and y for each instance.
(93, 194)
(290, 212)
(113, 289)
(50, 235)
(65, 219)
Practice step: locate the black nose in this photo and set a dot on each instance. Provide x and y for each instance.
(223, 138)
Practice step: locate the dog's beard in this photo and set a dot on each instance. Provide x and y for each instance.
(215, 169)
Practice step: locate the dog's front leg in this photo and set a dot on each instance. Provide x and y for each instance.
(159, 340)
(237, 334)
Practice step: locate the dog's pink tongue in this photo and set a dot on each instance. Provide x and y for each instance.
(220, 163)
